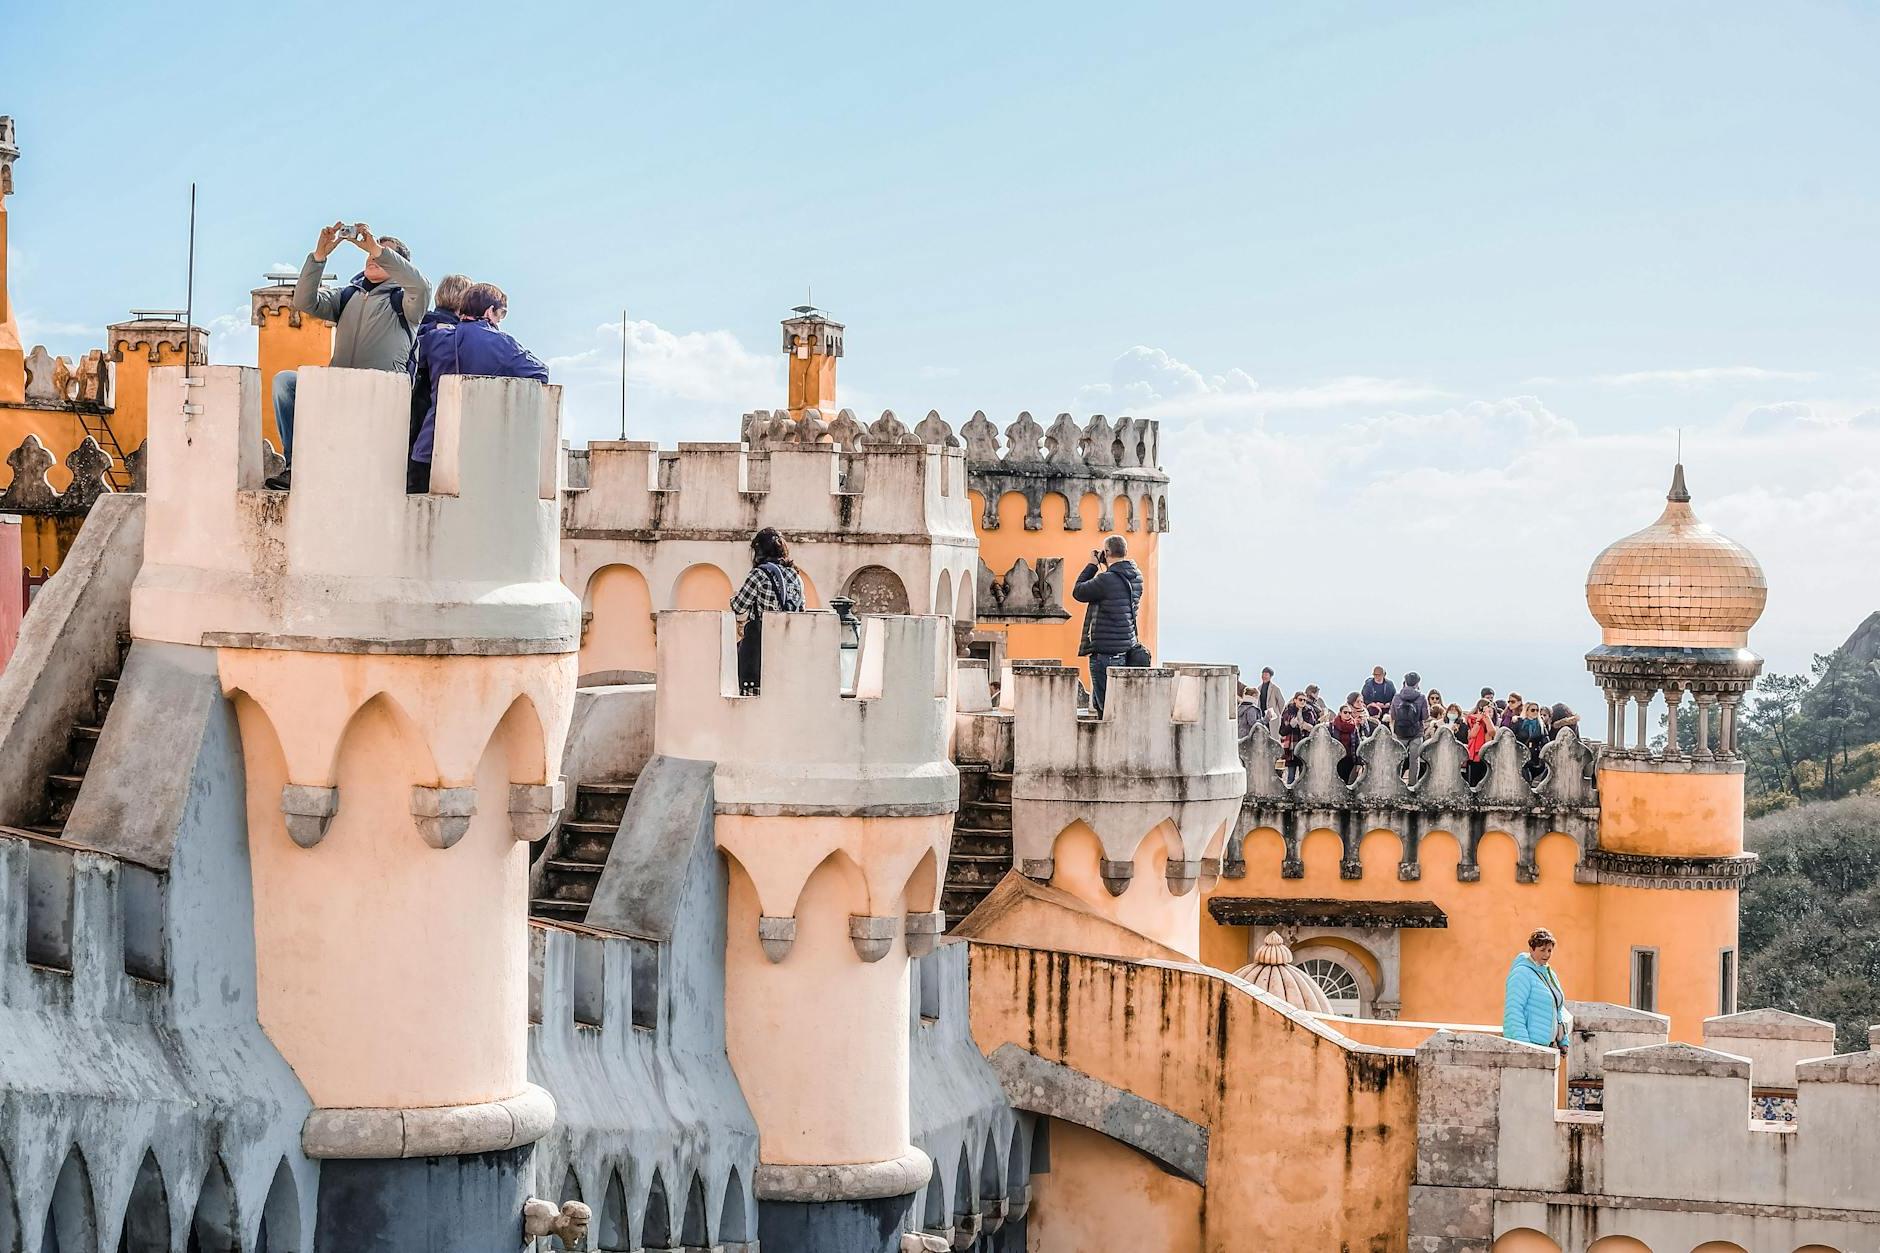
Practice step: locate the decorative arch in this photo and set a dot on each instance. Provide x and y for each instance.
(1122, 514)
(1017, 1169)
(1525, 1240)
(840, 876)
(519, 733)
(933, 1212)
(280, 1215)
(617, 620)
(964, 1202)
(146, 1227)
(876, 589)
(1146, 519)
(656, 1222)
(1342, 975)
(1497, 853)
(399, 725)
(213, 1228)
(1618, 1244)
(991, 1177)
(1321, 850)
(943, 594)
(693, 1231)
(570, 1191)
(610, 1228)
(965, 604)
(71, 1221)
(700, 586)
(1380, 852)
(812, 599)
(733, 1225)
(1057, 512)
(10, 1233)
(1719, 1246)
(922, 892)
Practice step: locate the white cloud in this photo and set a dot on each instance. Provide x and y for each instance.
(680, 385)
(1149, 382)
(33, 331)
(1782, 416)
(1703, 376)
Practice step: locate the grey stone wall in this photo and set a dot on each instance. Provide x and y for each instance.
(151, 1105)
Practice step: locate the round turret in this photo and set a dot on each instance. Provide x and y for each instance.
(1676, 584)
(1272, 971)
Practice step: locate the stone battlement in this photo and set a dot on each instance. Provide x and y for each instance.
(84, 927)
(727, 491)
(347, 561)
(805, 745)
(1672, 1155)
(1163, 751)
(1119, 463)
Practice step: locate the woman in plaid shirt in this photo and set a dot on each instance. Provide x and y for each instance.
(772, 586)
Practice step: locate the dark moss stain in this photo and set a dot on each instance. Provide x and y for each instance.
(1063, 1007)
(1576, 1158)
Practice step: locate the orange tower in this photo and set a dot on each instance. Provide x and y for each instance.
(288, 340)
(1675, 603)
(814, 342)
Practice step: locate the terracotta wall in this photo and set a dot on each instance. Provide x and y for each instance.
(1311, 1139)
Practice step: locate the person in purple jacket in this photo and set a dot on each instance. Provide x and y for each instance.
(477, 345)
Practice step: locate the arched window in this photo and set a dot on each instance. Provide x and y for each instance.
(1337, 982)
(147, 1218)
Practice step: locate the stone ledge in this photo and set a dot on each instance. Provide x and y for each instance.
(1640, 870)
(850, 1181)
(1677, 1059)
(463, 646)
(433, 1131)
(1486, 1051)
(1768, 1024)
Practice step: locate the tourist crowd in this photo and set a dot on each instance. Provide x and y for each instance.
(381, 322)
(1412, 714)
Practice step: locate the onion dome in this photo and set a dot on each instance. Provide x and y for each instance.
(1272, 972)
(1676, 584)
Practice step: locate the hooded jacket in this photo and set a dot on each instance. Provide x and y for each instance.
(421, 373)
(1113, 595)
(1534, 1005)
(376, 325)
(473, 347)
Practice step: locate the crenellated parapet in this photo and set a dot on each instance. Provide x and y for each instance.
(1384, 793)
(833, 806)
(348, 561)
(1161, 757)
(30, 490)
(1115, 461)
(1675, 1158)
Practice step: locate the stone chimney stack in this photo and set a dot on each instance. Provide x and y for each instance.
(813, 343)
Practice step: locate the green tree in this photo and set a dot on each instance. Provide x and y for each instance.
(1810, 919)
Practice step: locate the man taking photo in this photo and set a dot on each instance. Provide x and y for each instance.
(373, 315)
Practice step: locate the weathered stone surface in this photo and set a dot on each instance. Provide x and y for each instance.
(1039, 1086)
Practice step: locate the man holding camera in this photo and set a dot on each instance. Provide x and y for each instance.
(373, 315)
(1111, 586)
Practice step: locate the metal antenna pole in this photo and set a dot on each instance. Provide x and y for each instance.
(189, 290)
(623, 374)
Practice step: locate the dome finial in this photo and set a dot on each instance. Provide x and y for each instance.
(1679, 493)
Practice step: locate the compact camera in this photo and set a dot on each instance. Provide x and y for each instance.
(352, 231)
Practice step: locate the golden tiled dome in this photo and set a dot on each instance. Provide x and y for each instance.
(1676, 584)
(1272, 972)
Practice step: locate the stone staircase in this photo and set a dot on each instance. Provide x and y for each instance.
(576, 852)
(68, 775)
(981, 852)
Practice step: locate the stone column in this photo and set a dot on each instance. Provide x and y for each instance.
(1726, 738)
(1704, 701)
(1644, 699)
(1615, 720)
(1674, 696)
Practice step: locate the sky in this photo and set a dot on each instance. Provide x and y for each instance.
(1424, 300)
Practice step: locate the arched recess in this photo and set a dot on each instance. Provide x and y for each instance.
(280, 1215)
(943, 594)
(10, 1233)
(1346, 982)
(618, 632)
(610, 1227)
(266, 765)
(933, 1212)
(733, 1223)
(876, 589)
(812, 598)
(1618, 1244)
(146, 1227)
(1122, 515)
(213, 1227)
(1816, 1248)
(385, 728)
(1719, 1246)
(964, 1202)
(656, 1225)
(965, 607)
(1056, 511)
(71, 1223)
(920, 894)
(1017, 1170)
(835, 889)
(693, 1230)
(1497, 853)
(1524, 1240)
(702, 586)
(570, 1191)
(524, 743)
(991, 1177)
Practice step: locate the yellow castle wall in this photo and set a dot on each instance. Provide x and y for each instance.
(1100, 1194)
(1668, 814)
(1455, 974)
(1000, 548)
(284, 346)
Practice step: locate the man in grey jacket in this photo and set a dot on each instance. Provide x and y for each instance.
(374, 315)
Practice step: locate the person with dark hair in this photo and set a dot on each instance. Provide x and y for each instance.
(475, 345)
(1111, 587)
(1481, 730)
(373, 316)
(1534, 1005)
(1409, 713)
(1559, 719)
(1531, 731)
(449, 297)
(772, 586)
(1348, 727)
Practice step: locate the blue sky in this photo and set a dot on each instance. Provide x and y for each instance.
(1420, 297)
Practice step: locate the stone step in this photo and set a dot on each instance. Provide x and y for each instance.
(583, 845)
(558, 910)
(103, 692)
(997, 789)
(969, 842)
(80, 745)
(563, 884)
(61, 795)
(977, 872)
(984, 815)
(602, 802)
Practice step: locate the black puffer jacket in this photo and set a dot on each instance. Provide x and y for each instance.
(1113, 594)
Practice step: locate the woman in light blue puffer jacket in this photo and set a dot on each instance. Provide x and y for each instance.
(1534, 1008)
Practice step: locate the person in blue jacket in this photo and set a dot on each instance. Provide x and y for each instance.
(476, 345)
(1534, 1008)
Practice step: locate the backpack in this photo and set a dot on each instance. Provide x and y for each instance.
(1403, 716)
(397, 296)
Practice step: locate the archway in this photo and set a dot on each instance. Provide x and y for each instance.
(733, 1226)
(692, 1228)
(280, 1215)
(212, 1228)
(146, 1226)
(610, 1232)
(71, 1225)
(876, 589)
(618, 631)
(570, 1191)
(656, 1226)
(703, 586)
(1524, 1240)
